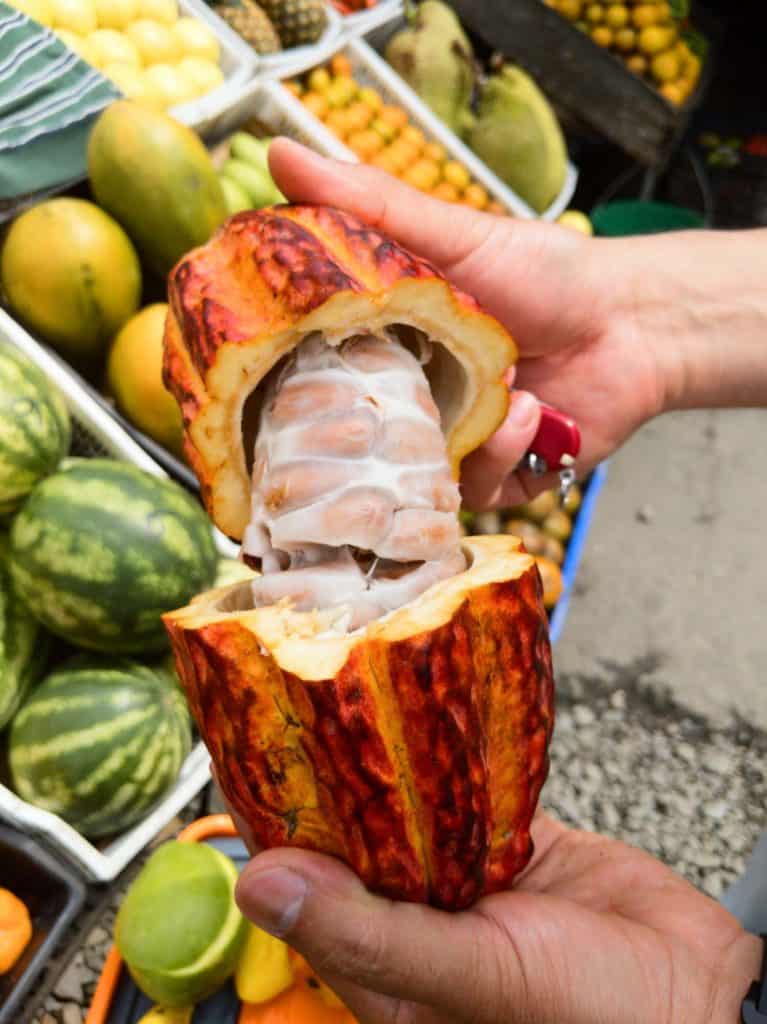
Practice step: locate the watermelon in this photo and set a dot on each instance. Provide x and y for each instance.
(23, 645)
(34, 427)
(101, 549)
(98, 742)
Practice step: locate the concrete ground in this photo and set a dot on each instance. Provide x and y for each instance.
(673, 584)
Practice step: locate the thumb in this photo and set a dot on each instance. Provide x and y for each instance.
(445, 234)
(405, 951)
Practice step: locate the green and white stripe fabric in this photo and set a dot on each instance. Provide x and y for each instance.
(49, 98)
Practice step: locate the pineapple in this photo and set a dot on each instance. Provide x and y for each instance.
(382, 691)
(298, 22)
(251, 21)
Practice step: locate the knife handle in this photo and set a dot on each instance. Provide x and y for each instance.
(556, 445)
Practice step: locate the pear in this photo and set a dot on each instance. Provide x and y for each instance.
(436, 59)
(518, 136)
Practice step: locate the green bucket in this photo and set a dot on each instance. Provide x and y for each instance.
(635, 217)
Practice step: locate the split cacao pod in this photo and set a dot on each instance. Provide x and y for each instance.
(414, 748)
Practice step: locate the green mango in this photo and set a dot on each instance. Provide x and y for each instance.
(436, 59)
(243, 146)
(236, 197)
(518, 136)
(256, 183)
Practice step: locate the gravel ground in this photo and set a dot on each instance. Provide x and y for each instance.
(627, 760)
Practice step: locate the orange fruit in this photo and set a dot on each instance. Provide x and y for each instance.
(405, 150)
(616, 16)
(602, 36)
(497, 208)
(645, 15)
(387, 131)
(360, 115)
(666, 67)
(341, 65)
(476, 196)
(319, 80)
(551, 577)
(395, 116)
(655, 39)
(385, 162)
(338, 122)
(134, 376)
(414, 135)
(595, 13)
(371, 98)
(446, 192)
(398, 158)
(456, 174)
(625, 39)
(433, 151)
(316, 103)
(295, 87)
(424, 175)
(365, 144)
(637, 63)
(673, 93)
(570, 9)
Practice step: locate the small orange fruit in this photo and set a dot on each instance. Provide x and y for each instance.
(570, 9)
(358, 116)
(319, 80)
(595, 13)
(551, 577)
(424, 174)
(645, 15)
(295, 87)
(673, 93)
(387, 132)
(338, 122)
(497, 208)
(395, 116)
(446, 192)
(385, 162)
(371, 98)
(602, 36)
(414, 135)
(456, 174)
(341, 65)
(625, 39)
(476, 196)
(365, 144)
(616, 16)
(316, 104)
(637, 63)
(433, 151)
(405, 150)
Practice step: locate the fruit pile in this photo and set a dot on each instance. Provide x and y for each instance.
(503, 116)
(353, 6)
(243, 170)
(151, 54)
(544, 526)
(92, 553)
(15, 929)
(647, 38)
(270, 26)
(182, 938)
(383, 135)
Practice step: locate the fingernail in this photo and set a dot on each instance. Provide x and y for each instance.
(273, 899)
(522, 410)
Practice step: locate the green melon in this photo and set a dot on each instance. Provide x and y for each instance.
(101, 549)
(98, 742)
(34, 427)
(23, 645)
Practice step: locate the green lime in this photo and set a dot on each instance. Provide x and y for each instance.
(179, 930)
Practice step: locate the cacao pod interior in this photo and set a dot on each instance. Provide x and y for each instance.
(444, 372)
(270, 278)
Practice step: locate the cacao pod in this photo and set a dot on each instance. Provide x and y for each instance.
(413, 748)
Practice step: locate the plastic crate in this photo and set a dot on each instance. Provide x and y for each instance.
(370, 69)
(362, 22)
(95, 433)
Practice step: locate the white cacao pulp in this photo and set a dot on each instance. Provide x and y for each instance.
(353, 500)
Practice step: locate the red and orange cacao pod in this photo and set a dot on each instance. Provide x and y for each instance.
(414, 748)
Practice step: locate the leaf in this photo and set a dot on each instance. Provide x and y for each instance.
(680, 9)
(697, 42)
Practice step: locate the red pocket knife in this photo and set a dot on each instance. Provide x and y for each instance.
(555, 447)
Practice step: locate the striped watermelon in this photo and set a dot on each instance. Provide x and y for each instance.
(99, 742)
(34, 427)
(23, 645)
(101, 549)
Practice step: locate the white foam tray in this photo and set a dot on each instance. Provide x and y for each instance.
(104, 436)
(362, 22)
(238, 62)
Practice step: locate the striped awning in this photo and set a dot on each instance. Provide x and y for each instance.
(49, 98)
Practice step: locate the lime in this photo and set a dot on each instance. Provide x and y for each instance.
(179, 930)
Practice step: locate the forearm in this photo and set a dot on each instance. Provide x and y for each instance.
(699, 300)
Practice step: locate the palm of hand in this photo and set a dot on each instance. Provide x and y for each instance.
(595, 932)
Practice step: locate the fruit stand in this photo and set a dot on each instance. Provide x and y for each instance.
(105, 530)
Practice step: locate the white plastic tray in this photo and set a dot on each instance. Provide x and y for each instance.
(238, 62)
(300, 58)
(98, 434)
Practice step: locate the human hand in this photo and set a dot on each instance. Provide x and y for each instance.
(551, 287)
(594, 932)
